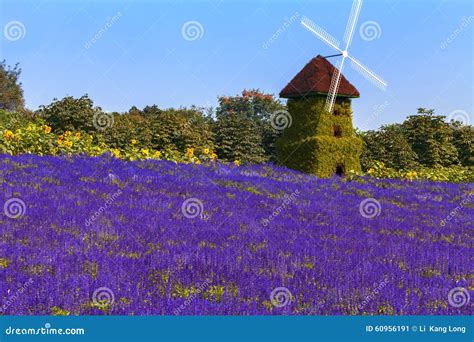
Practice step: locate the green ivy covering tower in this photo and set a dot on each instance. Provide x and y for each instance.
(317, 141)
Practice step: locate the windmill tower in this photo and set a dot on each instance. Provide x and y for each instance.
(319, 141)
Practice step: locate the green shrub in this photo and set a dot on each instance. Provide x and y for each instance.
(179, 129)
(430, 138)
(452, 174)
(463, 137)
(388, 145)
(127, 127)
(12, 120)
(38, 138)
(238, 138)
(70, 114)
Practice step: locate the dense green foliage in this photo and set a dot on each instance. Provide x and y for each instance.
(179, 129)
(70, 114)
(243, 129)
(422, 140)
(170, 129)
(311, 144)
(11, 92)
(238, 138)
(463, 138)
(388, 145)
(430, 138)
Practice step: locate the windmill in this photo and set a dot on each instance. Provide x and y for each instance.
(334, 43)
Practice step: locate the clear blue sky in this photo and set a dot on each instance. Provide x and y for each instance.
(142, 58)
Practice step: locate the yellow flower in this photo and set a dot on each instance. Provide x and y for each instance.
(68, 144)
(157, 154)
(190, 152)
(133, 141)
(47, 129)
(116, 152)
(198, 162)
(8, 134)
(60, 141)
(78, 135)
(67, 133)
(214, 156)
(237, 162)
(145, 151)
(206, 151)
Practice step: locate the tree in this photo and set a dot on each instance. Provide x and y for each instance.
(463, 136)
(238, 137)
(179, 129)
(150, 111)
(11, 92)
(249, 117)
(70, 114)
(128, 126)
(430, 138)
(388, 145)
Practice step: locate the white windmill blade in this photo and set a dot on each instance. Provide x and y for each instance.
(320, 33)
(334, 87)
(351, 23)
(367, 73)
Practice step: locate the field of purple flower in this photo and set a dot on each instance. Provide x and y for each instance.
(83, 235)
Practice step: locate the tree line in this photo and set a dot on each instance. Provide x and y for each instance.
(239, 128)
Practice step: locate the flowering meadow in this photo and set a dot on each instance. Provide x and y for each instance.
(98, 235)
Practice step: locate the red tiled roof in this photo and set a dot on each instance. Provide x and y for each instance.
(315, 78)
